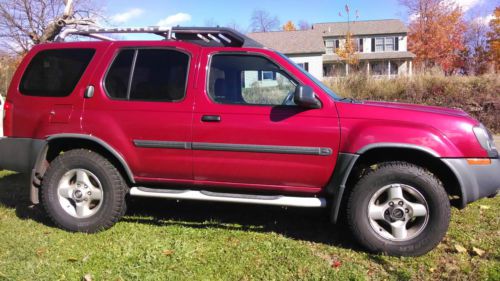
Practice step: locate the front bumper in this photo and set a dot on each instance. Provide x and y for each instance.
(476, 181)
(19, 154)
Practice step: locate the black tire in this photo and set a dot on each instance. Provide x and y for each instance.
(114, 189)
(430, 233)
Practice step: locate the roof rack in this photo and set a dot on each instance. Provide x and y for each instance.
(206, 36)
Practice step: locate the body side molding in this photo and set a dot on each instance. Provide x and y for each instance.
(278, 149)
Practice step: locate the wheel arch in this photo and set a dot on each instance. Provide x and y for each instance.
(351, 167)
(58, 143)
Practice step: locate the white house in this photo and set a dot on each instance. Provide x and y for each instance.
(381, 47)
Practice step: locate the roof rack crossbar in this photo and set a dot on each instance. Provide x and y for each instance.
(210, 36)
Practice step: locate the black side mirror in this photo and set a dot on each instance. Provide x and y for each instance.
(304, 97)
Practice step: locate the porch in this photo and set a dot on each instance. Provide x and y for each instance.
(376, 68)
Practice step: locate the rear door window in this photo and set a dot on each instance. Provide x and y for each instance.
(148, 75)
(55, 73)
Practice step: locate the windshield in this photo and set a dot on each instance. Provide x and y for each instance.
(314, 79)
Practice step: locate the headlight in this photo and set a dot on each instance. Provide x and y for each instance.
(485, 139)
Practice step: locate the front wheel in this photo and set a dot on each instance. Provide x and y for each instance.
(82, 191)
(399, 209)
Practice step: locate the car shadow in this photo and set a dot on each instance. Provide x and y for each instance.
(304, 224)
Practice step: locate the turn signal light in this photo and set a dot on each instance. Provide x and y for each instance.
(479, 161)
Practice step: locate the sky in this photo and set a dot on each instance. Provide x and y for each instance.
(138, 13)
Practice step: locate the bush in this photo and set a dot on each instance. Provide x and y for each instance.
(477, 95)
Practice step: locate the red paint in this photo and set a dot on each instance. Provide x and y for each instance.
(340, 126)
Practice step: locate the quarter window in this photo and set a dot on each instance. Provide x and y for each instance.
(148, 75)
(55, 73)
(234, 79)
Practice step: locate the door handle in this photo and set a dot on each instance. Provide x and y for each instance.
(210, 118)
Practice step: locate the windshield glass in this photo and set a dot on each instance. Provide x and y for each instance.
(314, 79)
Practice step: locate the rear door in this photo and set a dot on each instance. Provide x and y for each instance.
(248, 132)
(143, 106)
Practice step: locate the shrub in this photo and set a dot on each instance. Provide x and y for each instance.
(477, 95)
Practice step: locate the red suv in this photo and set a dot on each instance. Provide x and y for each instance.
(209, 114)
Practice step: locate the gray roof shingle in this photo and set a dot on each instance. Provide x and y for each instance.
(311, 41)
(369, 27)
(291, 42)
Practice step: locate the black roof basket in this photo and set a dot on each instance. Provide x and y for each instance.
(205, 36)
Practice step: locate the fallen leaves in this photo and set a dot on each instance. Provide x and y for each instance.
(336, 264)
(168, 252)
(475, 250)
(478, 252)
(41, 251)
(460, 249)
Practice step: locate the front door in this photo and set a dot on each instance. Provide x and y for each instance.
(247, 131)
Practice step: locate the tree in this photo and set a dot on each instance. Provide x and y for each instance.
(347, 51)
(234, 25)
(475, 55)
(289, 26)
(24, 23)
(304, 25)
(435, 33)
(262, 21)
(494, 39)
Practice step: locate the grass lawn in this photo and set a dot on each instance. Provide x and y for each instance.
(169, 240)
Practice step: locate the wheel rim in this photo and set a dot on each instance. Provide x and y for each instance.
(398, 212)
(80, 193)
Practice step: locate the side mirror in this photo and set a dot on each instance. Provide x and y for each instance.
(304, 97)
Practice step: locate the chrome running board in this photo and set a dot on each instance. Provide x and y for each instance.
(203, 195)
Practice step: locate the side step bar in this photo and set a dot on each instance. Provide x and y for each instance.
(203, 195)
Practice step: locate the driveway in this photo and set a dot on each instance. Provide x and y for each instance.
(497, 140)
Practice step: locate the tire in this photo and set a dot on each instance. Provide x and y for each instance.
(383, 223)
(83, 192)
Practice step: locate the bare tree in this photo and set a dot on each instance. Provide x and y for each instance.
(234, 25)
(475, 55)
(262, 21)
(304, 25)
(24, 23)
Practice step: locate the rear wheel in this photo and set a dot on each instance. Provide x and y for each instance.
(399, 209)
(82, 191)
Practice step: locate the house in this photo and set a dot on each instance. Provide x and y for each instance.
(381, 47)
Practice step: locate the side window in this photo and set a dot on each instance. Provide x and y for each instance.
(55, 73)
(157, 75)
(119, 75)
(249, 79)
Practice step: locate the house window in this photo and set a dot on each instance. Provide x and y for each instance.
(389, 44)
(267, 75)
(385, 44)
(379, 44)
(329, 46)
(304, 65)
(360, 45)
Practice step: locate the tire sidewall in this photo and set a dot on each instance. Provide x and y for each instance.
(426, 184)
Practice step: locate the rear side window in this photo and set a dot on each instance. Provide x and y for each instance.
(148, 75)
(55, 73)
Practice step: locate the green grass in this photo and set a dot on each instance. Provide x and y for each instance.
(167, 240)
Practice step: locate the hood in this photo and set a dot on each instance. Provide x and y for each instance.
(419, 108)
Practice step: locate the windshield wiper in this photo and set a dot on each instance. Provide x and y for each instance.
(351, 100)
